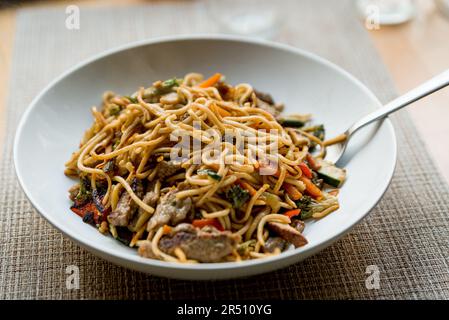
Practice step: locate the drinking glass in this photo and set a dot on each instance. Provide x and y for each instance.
(259, 18)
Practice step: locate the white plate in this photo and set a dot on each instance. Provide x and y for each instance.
(52, 126)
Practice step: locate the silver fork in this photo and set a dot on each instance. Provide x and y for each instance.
(335, 151)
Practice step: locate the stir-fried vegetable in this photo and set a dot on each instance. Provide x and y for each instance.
(294, 121)
(331, 174)
(311, 189)
(170, 83)
(84, 194)
(109, 166)
(293, 213)
(314, 165)
(304, 204)
(245, 248)
(210, 173)
(237, 196)
(201, 223)
(114, 109)
(124, 235)
(161, 88)
(305, 170)
(273, 201)
(247, 187)
(312, 208)
(166, 229)
(292, 191)
(318, 131)
(211, 81)
(89, 212)
(132, 99)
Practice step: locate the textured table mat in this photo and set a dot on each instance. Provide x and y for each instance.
(406, 235)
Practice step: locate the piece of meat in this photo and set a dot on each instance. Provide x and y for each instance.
(298, 225)
(204, 245)
(274, 243)
(288, 233)
(150, 199)
(126, 207)
(264, 96)
(265, 102)
(225, 90)
(170, 210)
(167, 169)
(274, 109)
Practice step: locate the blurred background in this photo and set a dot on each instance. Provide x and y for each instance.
(411, 37)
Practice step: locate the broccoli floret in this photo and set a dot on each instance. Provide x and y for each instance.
(305, 205)
(84, 193)
(237, 196)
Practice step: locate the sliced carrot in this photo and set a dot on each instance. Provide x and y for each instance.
(210, 81)
(292, 213)
(305, 170)
(88, 208)
(201, 223)
(166, 229)
(214, 166)
(248, 187)
(292, 191)
(222, 112)
(312, 162)
(311, 189)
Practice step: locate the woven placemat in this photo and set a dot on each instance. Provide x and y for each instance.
(406, 236)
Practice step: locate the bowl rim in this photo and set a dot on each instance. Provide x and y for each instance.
(124, 259)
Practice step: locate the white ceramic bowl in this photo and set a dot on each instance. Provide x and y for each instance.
(52, 126)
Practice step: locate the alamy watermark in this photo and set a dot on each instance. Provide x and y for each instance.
(230, 147)
(72, 281)
(373, 280)
(372, 20)
(72, 20)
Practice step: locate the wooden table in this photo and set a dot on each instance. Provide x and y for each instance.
(413, 52)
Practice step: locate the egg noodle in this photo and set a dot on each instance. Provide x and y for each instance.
(232, 167)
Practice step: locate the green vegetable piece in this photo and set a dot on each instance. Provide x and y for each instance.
(291, 123)
(132, 99)
(331, 174)
(166, 86)
(114, 110)
(294, 121)
(154, 92)
(210, 173)
(171, 82)
(84, 193)
(109, 167)
(124, 235)
(244, 248)
(237, 196)
(305, 204)
(319, 132)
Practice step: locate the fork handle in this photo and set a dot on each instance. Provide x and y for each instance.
(430, 86)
